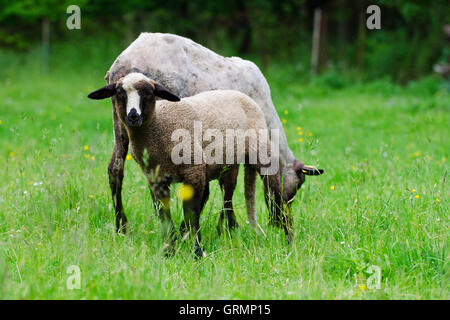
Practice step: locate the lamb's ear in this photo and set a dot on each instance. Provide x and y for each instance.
(307, 170)
(105, 92)
(162, 92)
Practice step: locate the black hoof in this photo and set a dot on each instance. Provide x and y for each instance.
(232, 226)
(183, 229)
(122, 229)
(275, 223)
(199, 253)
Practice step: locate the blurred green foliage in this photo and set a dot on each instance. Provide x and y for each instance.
(268, 31)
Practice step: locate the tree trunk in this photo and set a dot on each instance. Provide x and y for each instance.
(323, 52)
(315, 53)
(361, 40)
(45, 45)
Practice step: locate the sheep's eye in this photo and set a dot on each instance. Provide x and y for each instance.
(120, 94)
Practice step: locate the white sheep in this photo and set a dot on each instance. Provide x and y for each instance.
(187, 68)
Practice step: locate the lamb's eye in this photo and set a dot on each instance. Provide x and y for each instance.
(146, 93)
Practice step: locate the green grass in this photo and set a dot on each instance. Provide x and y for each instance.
(376, 142)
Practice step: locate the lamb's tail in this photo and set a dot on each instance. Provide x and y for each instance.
(250, 186)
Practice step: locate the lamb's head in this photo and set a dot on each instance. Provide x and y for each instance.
(135, 94)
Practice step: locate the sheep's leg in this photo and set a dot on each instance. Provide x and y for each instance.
(183, 227)
(195, 177)
(205, 197)
(161, 198)
(168, 228)
(274, 218)
(192, 217)
(272, 203)
(227, 183)
(273, 191)
(115, 172)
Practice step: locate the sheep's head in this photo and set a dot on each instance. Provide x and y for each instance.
(294, 180)
(135, 94)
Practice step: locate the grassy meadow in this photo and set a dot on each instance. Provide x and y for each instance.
(383, 200)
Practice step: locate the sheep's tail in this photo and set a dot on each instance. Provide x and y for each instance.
(250, 186)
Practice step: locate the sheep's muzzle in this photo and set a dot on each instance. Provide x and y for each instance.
(134, 119)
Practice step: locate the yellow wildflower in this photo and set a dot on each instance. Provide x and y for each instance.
(414, 190)
(87, 156)
(91, 196)
(417, 196)
(86, 148)
(367, 197)
(286, 111)
(92, 158)
(332, 187)
(186, 192)
(284, 120)
(299, 128)
(300, 140)
(128, 157)
(437, 200)
(362, 287)
(300, 132)
(11, 154)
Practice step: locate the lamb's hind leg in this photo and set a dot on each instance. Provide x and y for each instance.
(227, 182)
(115, 172)
(250, 186)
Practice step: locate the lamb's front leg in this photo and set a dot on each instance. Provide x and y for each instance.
(161, 198)
(115, 172)
(183, 226)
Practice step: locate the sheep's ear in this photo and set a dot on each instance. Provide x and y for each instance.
(311, 171)
(105, 92)
(301, 168)
(162, 92)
